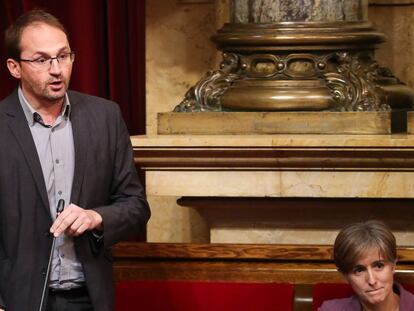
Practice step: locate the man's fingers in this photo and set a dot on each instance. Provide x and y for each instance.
(80, 225)
(80, 230)
(63, 220)
(75, 220)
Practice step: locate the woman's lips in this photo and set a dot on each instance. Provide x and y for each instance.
(374, 290)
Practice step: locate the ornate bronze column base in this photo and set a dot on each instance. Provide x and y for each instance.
(298, 67)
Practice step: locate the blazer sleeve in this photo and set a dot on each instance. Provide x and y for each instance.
(128, 211)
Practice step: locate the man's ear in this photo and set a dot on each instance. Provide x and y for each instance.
(14, 68)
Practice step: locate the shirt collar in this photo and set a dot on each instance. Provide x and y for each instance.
(29, 111)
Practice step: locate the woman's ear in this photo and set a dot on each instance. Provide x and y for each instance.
(14, 68)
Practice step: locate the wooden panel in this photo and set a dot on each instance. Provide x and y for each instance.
(223, 251)
(298, 264)
(239, 252)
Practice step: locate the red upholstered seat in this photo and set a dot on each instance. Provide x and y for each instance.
(327, 291)
(202, 296)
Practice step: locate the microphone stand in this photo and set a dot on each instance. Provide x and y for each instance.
(59, 209)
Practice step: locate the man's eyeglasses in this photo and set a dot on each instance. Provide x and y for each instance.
(64, 59)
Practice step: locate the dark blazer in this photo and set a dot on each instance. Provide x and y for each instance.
(105, 180)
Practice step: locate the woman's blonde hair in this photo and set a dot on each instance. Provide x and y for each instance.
(356, 239)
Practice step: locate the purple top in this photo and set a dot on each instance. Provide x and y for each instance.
(352, 303)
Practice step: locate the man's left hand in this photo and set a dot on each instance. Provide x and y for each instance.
(74, 221)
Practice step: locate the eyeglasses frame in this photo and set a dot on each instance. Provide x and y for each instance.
(50, 59)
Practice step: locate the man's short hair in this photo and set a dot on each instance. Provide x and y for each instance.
(13, 33)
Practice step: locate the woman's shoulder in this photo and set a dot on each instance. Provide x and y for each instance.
(406, 299)
(342, 304)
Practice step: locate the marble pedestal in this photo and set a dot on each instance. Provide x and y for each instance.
(275, 188)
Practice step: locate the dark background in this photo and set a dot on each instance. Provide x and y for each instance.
(108, 37)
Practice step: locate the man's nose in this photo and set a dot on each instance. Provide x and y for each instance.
(55, 66)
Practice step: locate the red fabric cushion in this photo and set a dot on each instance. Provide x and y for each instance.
(327, 291)
(202, 296)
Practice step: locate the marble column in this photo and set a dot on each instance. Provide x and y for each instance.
(275, 11)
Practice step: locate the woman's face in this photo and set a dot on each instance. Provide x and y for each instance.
(372, 278)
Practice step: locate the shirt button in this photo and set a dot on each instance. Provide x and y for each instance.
(59, 192)
(57, 161)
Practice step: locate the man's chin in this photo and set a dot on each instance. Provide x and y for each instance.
(54, 96)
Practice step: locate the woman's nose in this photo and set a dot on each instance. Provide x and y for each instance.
(371, 277)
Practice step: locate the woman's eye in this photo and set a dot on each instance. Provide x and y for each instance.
(358, 270)
(379, 265)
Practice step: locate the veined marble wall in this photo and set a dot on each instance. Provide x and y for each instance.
(179, 52)
(273, 11)
(396, 22)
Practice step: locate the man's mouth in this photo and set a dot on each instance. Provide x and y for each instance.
(56, 84)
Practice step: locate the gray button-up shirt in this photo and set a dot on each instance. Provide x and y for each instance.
(55, 148)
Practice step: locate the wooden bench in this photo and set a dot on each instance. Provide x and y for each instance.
(301, 265)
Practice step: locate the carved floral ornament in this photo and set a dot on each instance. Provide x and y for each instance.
(353, 83)
(206, 94)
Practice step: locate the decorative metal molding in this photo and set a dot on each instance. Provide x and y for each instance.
(284, 66)
(206, 94)
(354, 86)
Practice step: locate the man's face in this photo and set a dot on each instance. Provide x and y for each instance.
(47, 85)
(372, 278)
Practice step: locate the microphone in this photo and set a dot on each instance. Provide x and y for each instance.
(59, 209)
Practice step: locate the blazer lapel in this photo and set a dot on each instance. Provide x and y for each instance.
(18, 125)
(81, 138)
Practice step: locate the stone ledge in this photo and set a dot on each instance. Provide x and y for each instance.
(222, 123)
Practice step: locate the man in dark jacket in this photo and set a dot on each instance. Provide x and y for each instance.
(60, 145)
